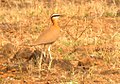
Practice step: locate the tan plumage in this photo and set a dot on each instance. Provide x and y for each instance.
(50, 35)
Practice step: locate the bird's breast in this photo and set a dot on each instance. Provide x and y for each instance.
(48, 36)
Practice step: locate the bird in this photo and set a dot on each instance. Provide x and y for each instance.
(49, 36)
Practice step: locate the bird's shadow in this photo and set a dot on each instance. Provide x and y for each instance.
(27, 55)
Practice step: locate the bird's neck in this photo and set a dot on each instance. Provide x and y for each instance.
(55, 23)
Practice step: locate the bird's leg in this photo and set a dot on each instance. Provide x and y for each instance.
(43, 54)
(40, 62)
(49, 51)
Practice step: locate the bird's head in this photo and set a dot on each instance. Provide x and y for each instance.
(55, 17)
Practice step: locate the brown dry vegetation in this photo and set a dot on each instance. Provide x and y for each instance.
(88, 51)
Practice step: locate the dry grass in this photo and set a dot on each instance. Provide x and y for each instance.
(88, 51)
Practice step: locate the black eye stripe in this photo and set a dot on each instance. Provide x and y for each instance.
(55, 16)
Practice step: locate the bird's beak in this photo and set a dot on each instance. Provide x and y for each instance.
(62, 15)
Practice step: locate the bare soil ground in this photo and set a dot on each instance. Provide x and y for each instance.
(87, 52)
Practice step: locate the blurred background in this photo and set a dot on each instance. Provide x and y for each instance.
(89, 45)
